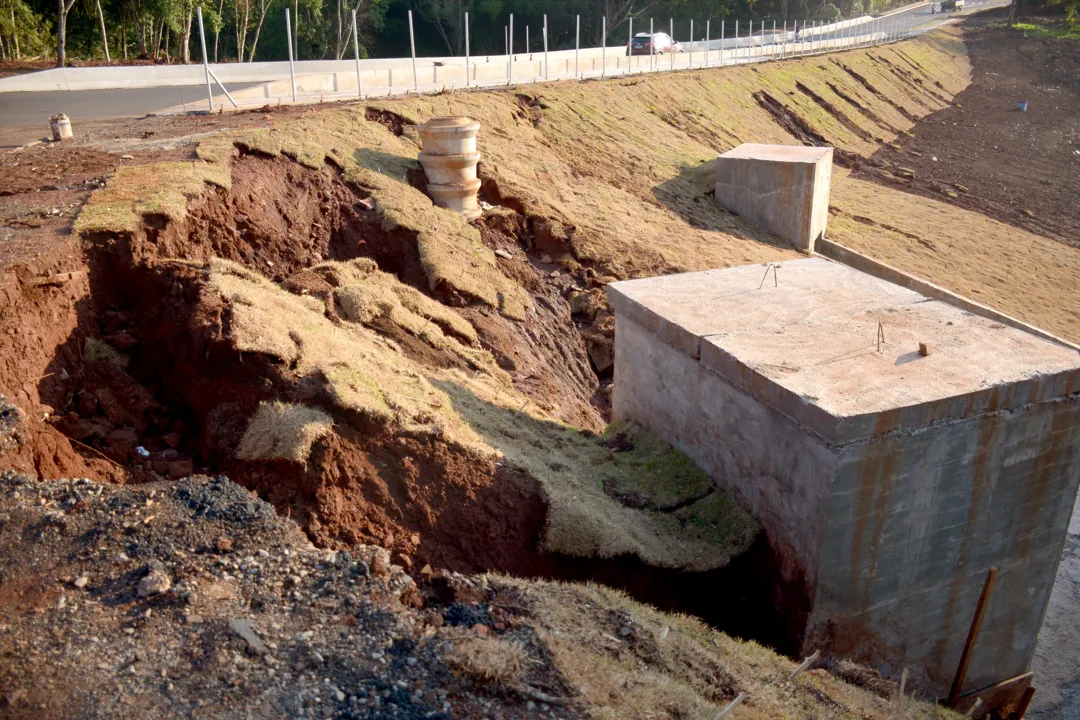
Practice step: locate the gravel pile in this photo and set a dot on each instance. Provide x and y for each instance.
(194, 599)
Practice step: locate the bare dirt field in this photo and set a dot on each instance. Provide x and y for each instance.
(982, 153)
(270, 295)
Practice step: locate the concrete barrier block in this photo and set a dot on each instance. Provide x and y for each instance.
(782, 188)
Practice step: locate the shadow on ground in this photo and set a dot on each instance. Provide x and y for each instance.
(692, 196)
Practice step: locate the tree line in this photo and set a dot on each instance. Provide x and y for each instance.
(165, 31)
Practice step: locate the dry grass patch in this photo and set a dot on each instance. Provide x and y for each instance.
(137, 190)
(603, 501)
(283, 430)
(364, 372)
(487, 659)
(1027, 276)
(364, 294)
(676, 666)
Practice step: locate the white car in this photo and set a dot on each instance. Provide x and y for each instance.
(654, 44)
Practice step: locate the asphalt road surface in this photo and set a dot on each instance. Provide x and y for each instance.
(25, 116)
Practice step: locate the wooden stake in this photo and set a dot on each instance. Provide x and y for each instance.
(973, 636)
(900, 692)
(973, 708)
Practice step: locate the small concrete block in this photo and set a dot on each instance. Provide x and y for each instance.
(925, 349)
(782, 188)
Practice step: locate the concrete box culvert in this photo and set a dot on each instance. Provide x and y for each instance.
(449, 159)
(888, 481)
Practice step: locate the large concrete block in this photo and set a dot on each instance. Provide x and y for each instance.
(888, 482)
(782, 188)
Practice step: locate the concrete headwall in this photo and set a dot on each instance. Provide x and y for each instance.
(752, 452)
(888, 479)
(915, 521)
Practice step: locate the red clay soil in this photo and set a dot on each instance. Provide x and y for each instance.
(181, 402)
(985, 155)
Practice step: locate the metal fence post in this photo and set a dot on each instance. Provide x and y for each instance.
(774, 37)
(736, 42)
(292, 70)
(356, 47)
(652, 49)
(750, 41)
(603, 46)
(630, 49)
(577, 48)
(510, 50)
(527, 51)
(691, 43)
(721, 43)
(468, 61)
(671, 34)
(206, 64)
(708, 42)
(545, 47)
(783, 47)
(412, 47)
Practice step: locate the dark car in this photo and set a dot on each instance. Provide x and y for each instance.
(655, 44)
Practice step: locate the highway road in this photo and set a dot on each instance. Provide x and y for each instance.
(24, 115)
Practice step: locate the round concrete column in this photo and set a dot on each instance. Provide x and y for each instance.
(449, 159)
